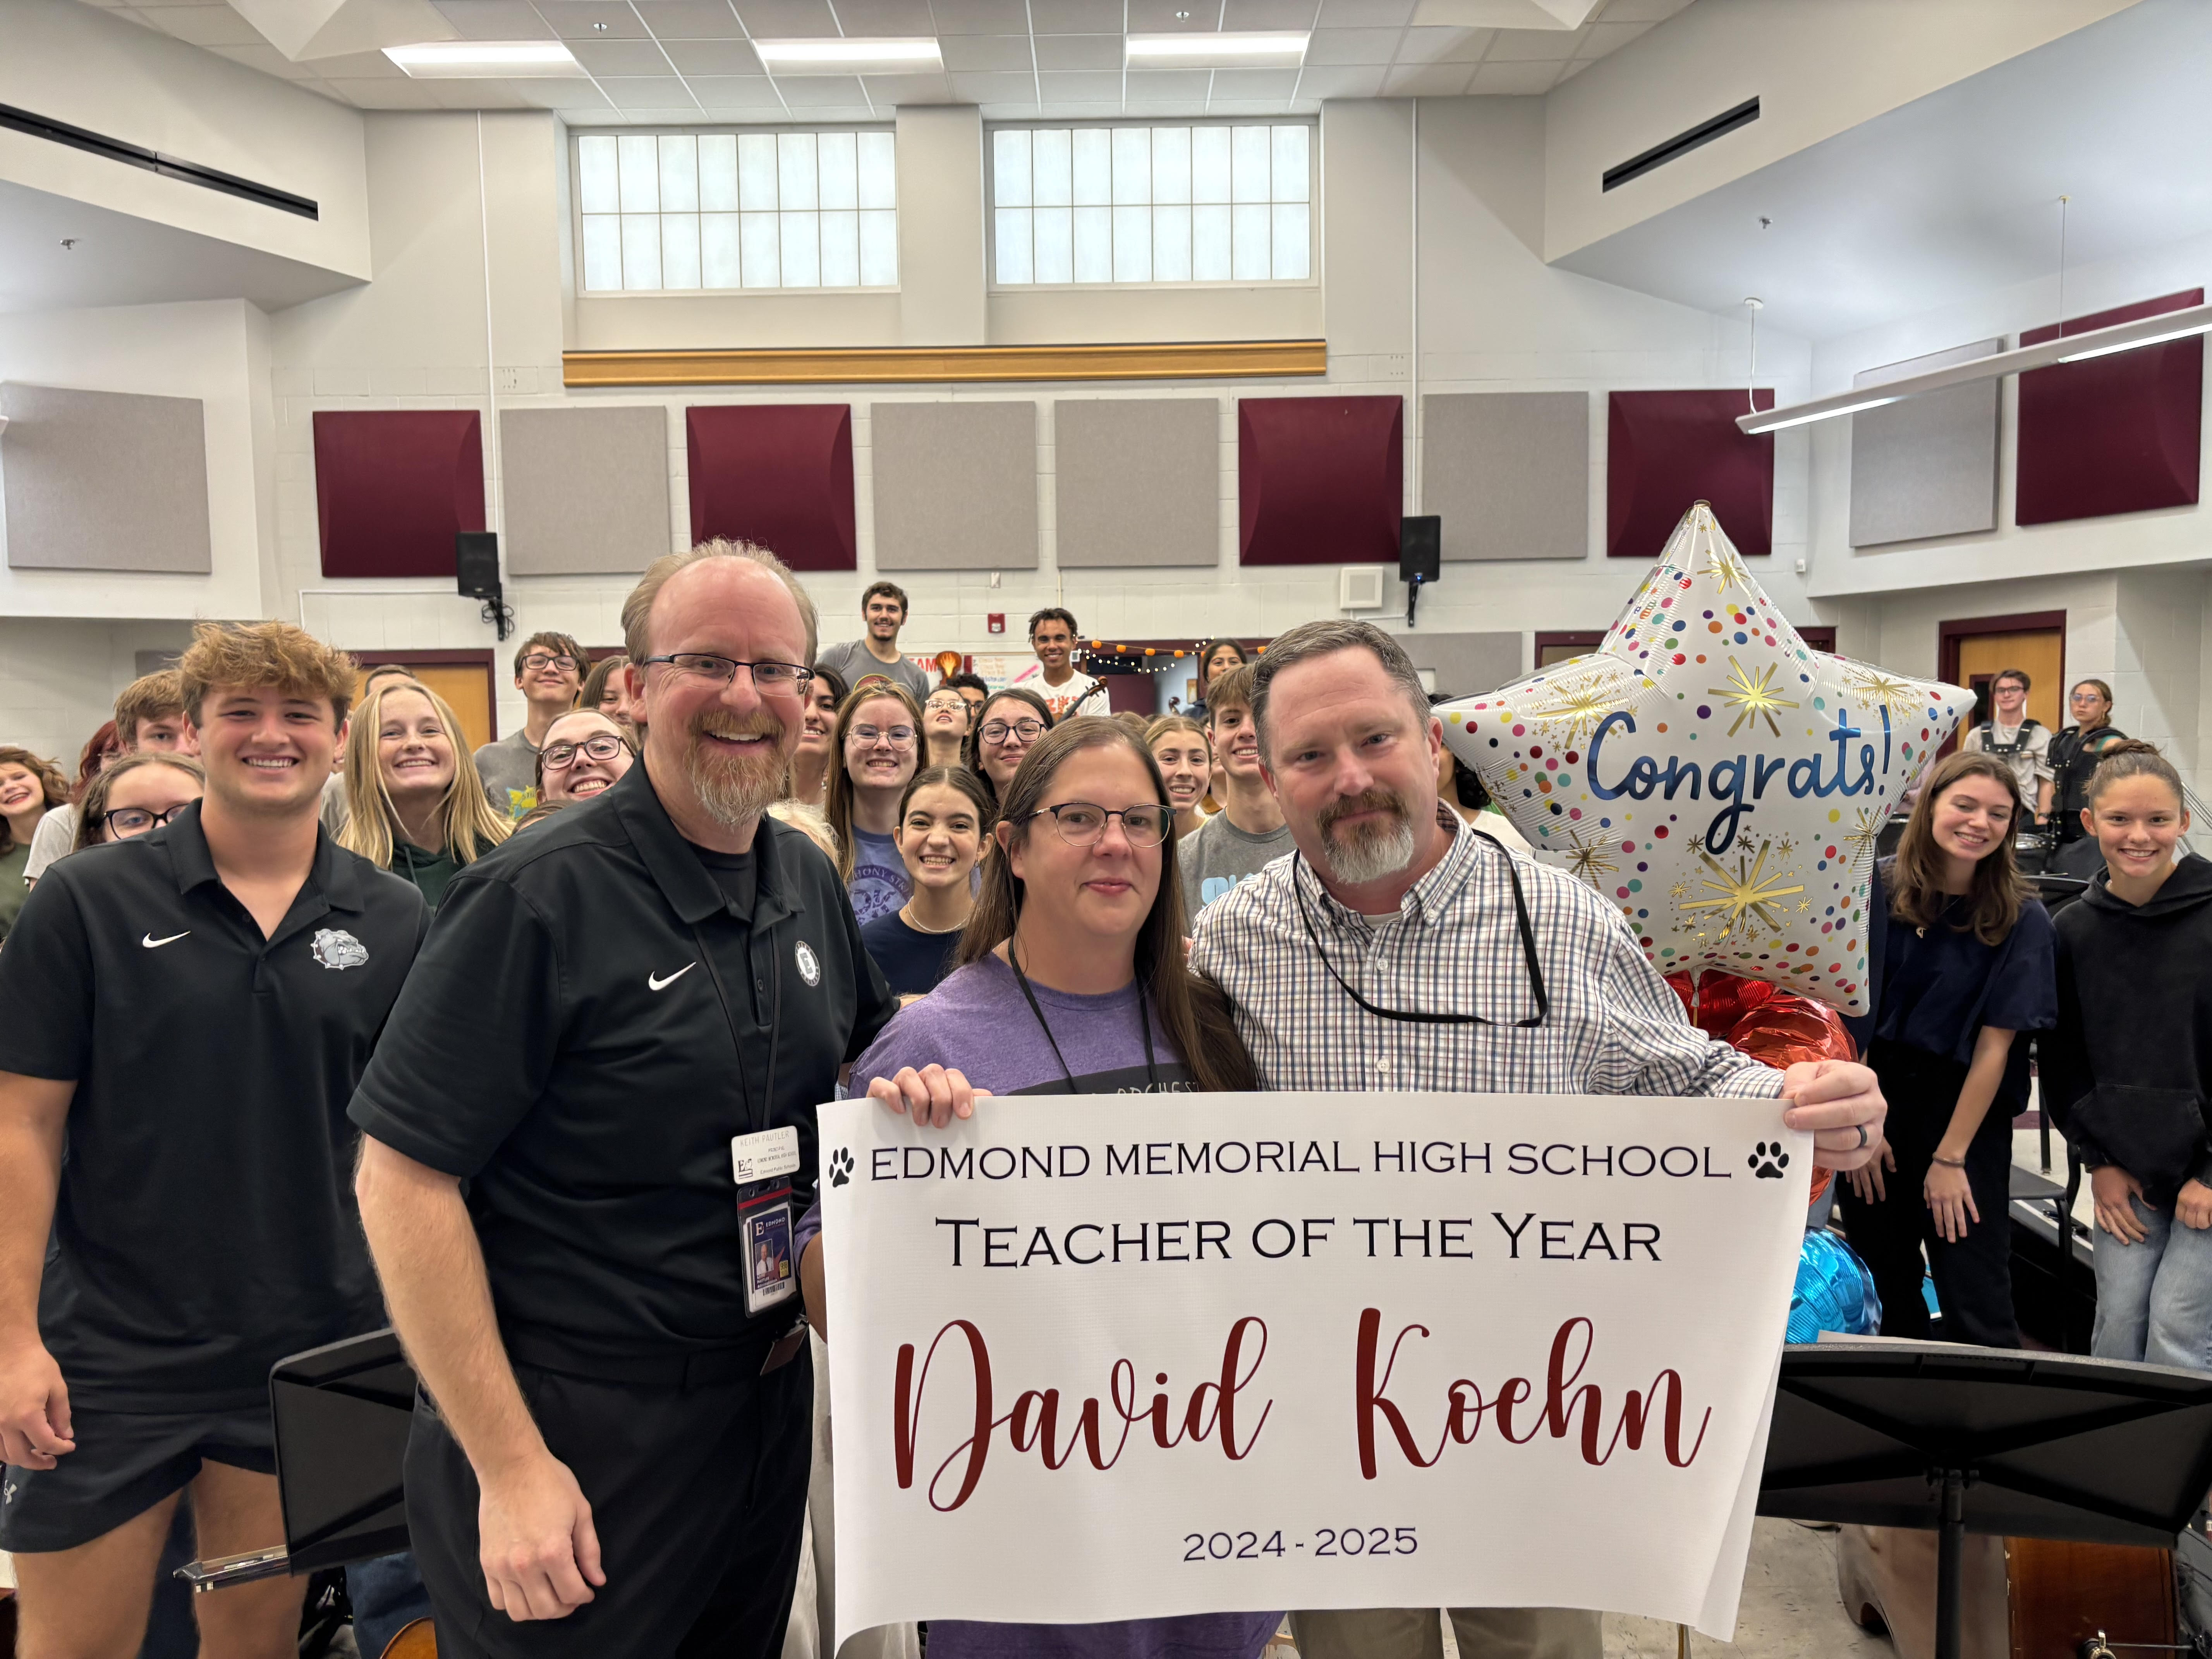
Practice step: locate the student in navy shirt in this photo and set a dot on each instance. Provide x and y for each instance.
(939, 836)
(1968, 967)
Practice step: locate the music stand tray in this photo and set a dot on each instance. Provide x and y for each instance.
(1959, 1439)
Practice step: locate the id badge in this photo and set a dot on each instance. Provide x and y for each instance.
(761, 1165)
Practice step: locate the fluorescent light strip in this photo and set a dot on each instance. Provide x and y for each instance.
(2129, 346)
(484, 59)
(1233, 50)
(836, 55)
(1826, 414)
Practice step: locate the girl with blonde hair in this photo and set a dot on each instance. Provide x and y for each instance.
(418, 807)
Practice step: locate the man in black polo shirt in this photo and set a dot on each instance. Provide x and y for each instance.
(190, 1009)
(618, 1036)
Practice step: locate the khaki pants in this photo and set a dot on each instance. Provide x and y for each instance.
(1482, 1633)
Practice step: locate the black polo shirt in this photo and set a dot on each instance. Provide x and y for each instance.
(591, 1021)
(205, 1225)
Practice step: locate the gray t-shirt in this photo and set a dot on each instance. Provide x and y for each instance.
(510, 774)
(856, 662)
(52, 840)
(1218, 855)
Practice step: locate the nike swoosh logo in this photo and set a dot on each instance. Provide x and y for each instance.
(654, 983)
(152, 944)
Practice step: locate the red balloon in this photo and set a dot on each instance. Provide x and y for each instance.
(1775, 1027)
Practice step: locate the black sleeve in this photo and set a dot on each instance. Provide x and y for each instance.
(472, 1038)
(2065, 1077)
(45, 986)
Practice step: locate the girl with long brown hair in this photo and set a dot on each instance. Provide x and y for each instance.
(1967, 969)
(878, 743)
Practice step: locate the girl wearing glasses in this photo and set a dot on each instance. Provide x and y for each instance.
(585, 754)
(944, 726)
(1008, 723)
(941, 819)
(30, 787)
(419, 808)
(877, 738)
(137, 793)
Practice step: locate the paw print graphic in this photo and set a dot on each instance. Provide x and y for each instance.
(841, 1166)
(1767, 1163)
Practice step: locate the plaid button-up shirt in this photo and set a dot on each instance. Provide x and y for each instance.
(1454, 947)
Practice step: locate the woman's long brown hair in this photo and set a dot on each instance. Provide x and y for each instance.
(1191, 1008)
(839, 810)
(974, 745)
(1916, 878)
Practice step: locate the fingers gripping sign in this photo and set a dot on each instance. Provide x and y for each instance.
(934, 1095)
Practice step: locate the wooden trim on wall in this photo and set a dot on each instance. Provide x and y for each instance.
(1948, 634)
(1205, 360)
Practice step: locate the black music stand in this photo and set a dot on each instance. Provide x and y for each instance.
(341, 1414)
(1988, 1440)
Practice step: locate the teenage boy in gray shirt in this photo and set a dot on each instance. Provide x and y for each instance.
(1248, 833)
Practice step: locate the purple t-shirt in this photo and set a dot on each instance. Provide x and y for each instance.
(978, 1021)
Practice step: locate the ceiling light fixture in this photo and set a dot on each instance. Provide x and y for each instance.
(1235, 49)
(474, 60)
(841, 56)
(2071, 349)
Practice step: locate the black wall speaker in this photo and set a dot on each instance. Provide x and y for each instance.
(1420, 548)
(476, 563)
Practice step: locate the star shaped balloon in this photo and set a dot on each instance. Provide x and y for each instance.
(1717, 780)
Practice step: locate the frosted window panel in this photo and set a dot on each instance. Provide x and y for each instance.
(1094, 167)
(757, 173)
(802, 250)
(759, 236)
(1171, 245)
(1012, 236)
(1052, 166)
(841, 249)
(878, 247)
(596, 179)
(1209, 244)
(679, 174)
(1251, 150)
(718, 172)
(1094, 244)
(1294, 259)
(640, 175)
(879, 169)
(1132, 165)
(1170, 164)
(1133, 244)
(1209, 164)
(794, 173)
(720, 265)
(1254, 242)
(640, 239)
(679, 249)
(1292, 171)
(840, 179)
(603, 253)
(1055, 235)
(1010, 168)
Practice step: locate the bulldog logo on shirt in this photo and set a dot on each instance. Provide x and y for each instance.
(335, 948)
(809, 967)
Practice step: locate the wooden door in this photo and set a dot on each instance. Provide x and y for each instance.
(1975, 650)
(462, 678)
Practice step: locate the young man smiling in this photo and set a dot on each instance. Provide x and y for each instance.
(1051, 637)
(875, 655)
(1248, 833)
(548, 672)
(189, 1010)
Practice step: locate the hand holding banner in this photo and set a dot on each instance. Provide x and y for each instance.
(1129, 1357)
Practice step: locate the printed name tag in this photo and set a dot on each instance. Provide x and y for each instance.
(769, 1156)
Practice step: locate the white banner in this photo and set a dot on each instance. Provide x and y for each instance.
(1133, 1356)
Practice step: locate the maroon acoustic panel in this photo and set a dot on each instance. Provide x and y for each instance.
(1667, 451)
(2112, 434)
(780, 475)
(1320, 480)
(392, 486)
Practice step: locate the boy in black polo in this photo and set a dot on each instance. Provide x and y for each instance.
(191, 1009)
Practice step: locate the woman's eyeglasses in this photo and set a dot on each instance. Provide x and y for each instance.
(560, 756)
(125, 821)
(1028, 731)
(899, 737)
(1081, 822)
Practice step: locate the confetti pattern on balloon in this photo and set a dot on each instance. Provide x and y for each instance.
(1718, 781)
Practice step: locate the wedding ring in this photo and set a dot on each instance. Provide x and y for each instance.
(1863, 1139)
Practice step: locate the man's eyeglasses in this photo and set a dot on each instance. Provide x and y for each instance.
(1081, 822)
(867, 737)
(783, 680)
(560, 756)
(537, 662)
(1028, 731)
(137, 820)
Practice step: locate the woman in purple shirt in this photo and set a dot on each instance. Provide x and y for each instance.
(1072, 981)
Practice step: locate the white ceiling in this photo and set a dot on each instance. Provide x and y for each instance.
(685, 62)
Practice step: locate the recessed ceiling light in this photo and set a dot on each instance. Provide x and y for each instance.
(1240, 49)
(837, 55)
(483, 59)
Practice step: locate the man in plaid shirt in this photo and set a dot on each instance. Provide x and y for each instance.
(1398, 948)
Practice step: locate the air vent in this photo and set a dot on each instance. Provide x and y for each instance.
(60, 132)
(1682, 144)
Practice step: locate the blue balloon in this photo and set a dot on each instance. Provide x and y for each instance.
(1834, 1291)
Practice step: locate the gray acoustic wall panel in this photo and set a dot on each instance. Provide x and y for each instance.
(585, 490)
(1927, 466)
(955, 485)
(1509, 471)
(104, 481)
(1467, 665)
(1137, 480)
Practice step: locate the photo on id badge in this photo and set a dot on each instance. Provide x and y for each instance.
(763, 1165)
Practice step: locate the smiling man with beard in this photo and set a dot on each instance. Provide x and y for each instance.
(1402, 950)
(617, 1038)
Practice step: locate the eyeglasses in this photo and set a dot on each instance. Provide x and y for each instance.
(560, 756)
(868, 735)
(137, 820)
(955, 704)
(780, 679)
(1081, 822)
(1028, 731)
(537, 662)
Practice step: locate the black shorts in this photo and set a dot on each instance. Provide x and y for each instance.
(125, 1463)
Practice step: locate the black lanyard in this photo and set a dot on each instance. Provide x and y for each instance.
(765, 1119)
(1404, 1016)
(1144, 1022)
